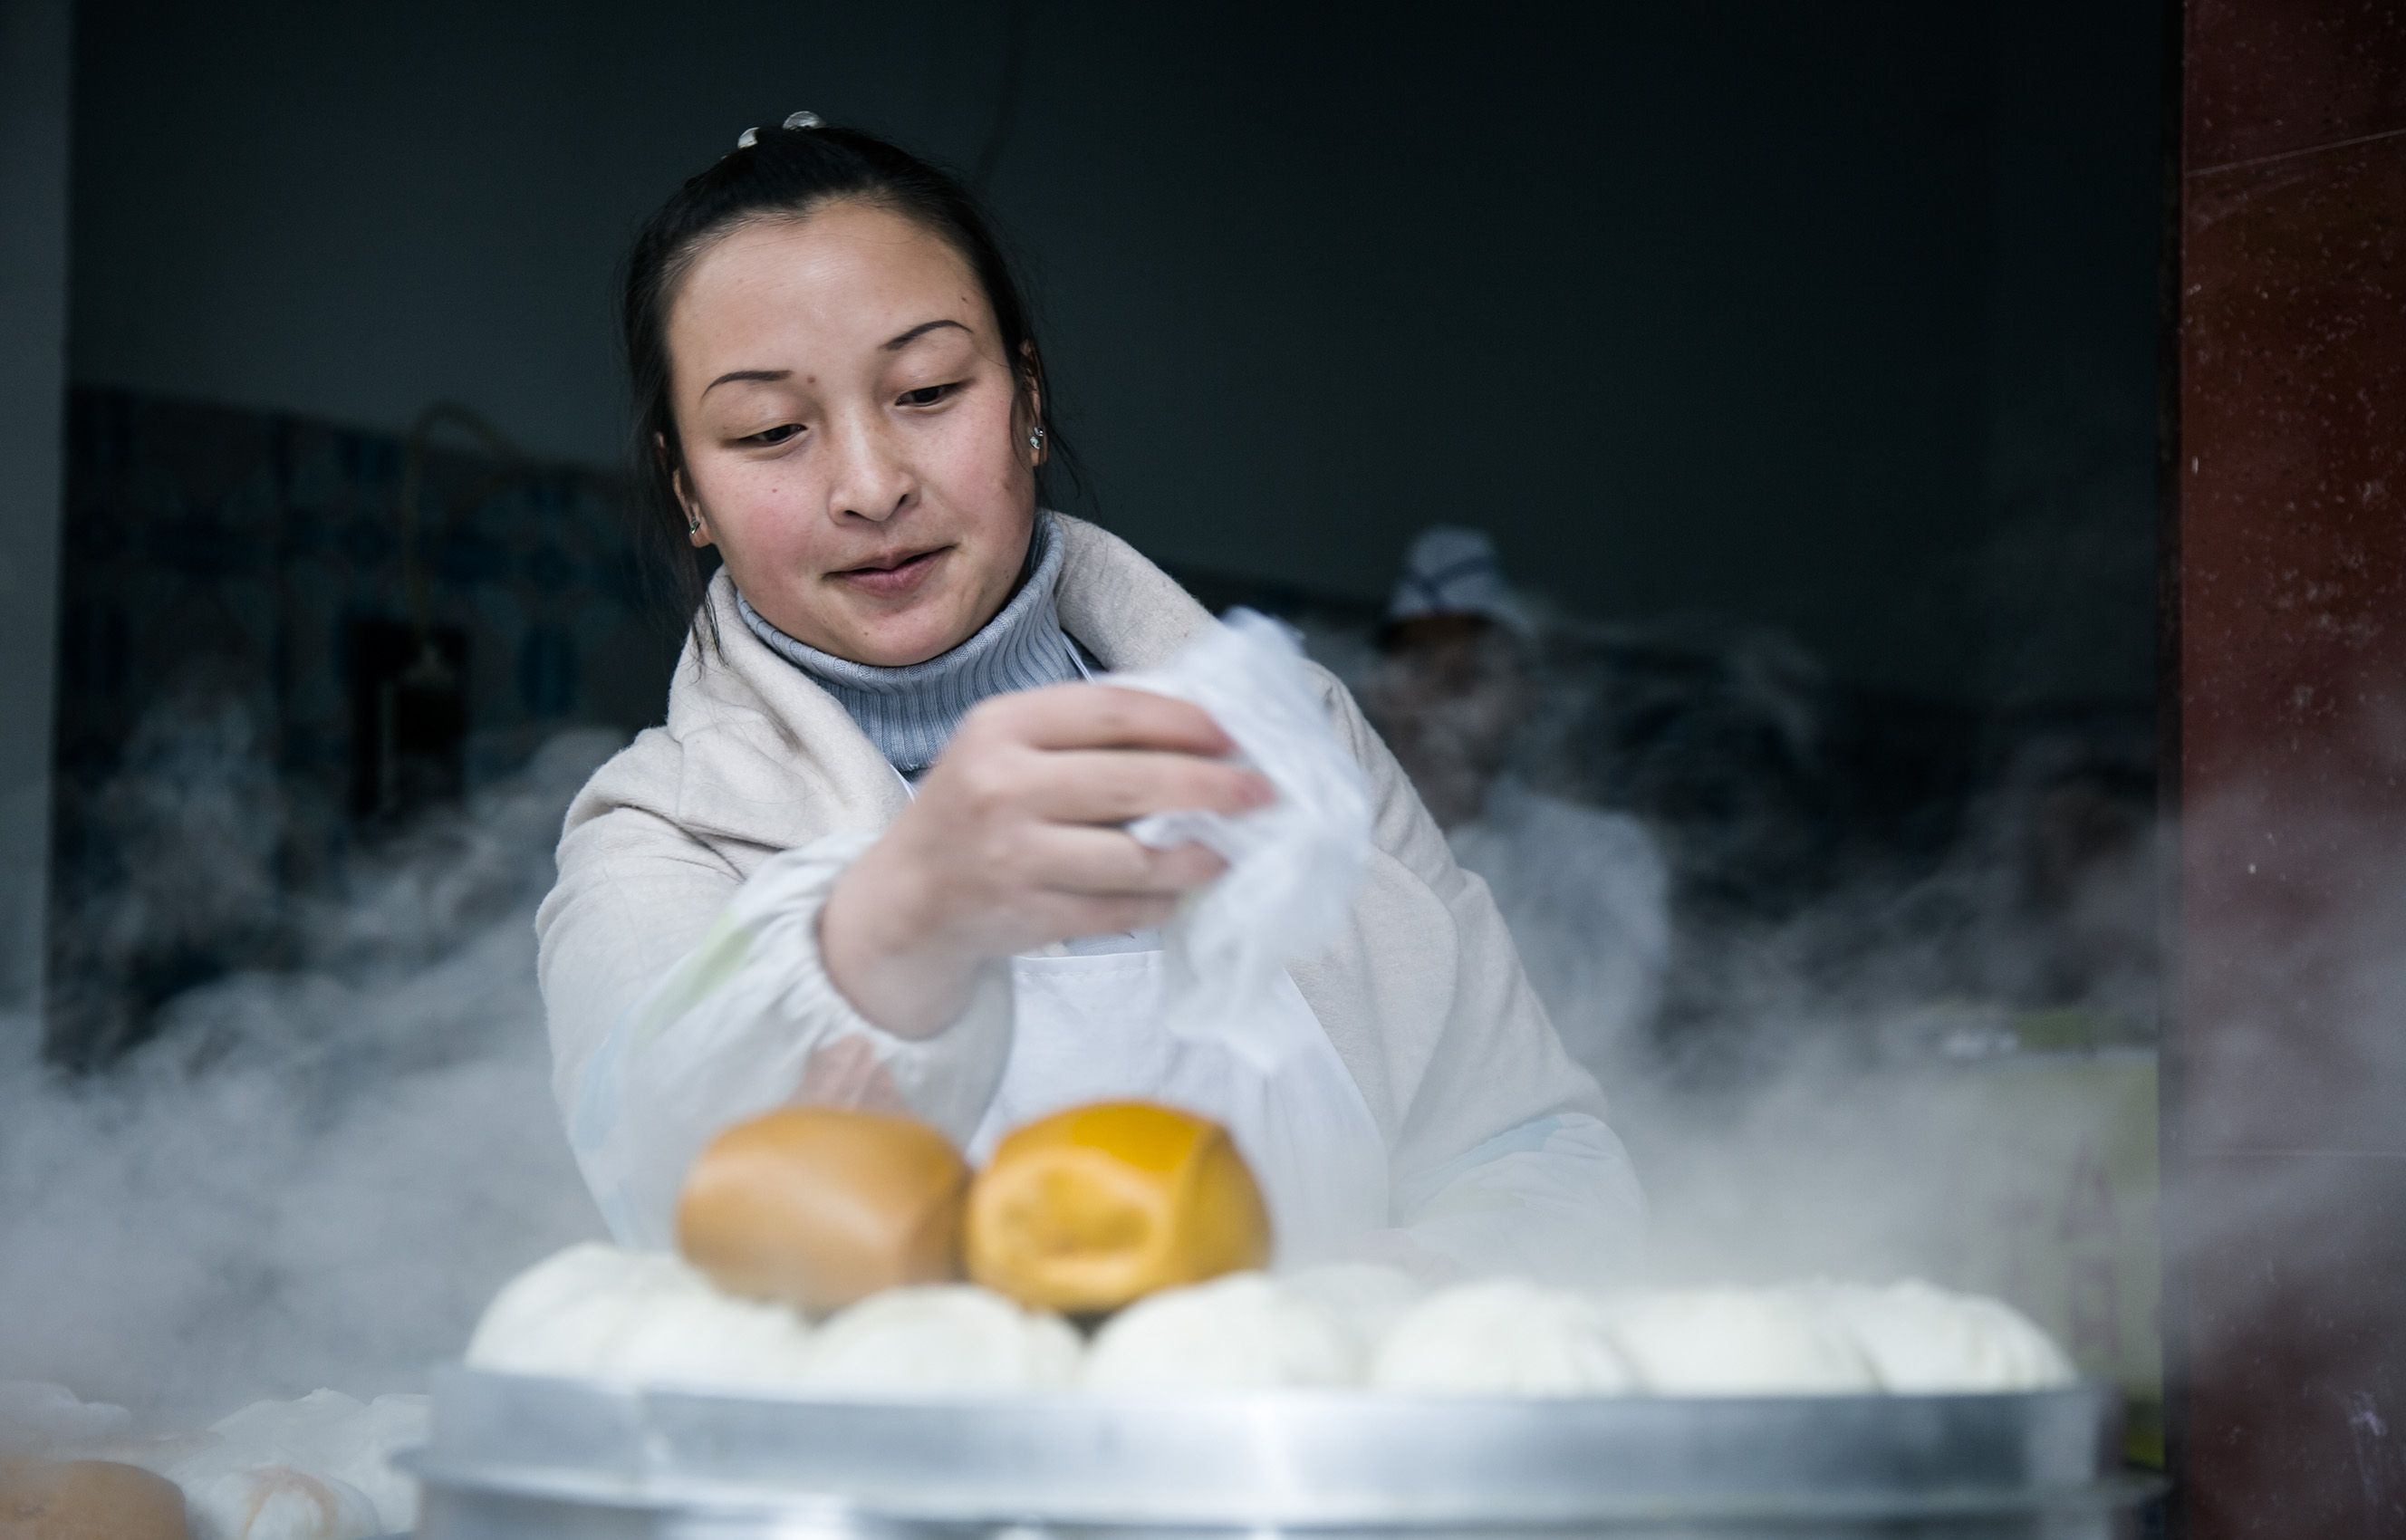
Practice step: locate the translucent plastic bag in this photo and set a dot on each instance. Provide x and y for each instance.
(1293, 866)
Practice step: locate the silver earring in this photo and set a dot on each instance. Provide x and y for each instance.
(1036, 439)
(692, 525)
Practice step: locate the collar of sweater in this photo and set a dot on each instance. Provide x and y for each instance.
(912, 713)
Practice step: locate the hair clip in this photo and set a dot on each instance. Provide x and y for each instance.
(751, 136)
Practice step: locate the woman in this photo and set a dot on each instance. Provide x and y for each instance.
(876, 855)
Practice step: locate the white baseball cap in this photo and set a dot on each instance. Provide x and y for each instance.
(1453, 571)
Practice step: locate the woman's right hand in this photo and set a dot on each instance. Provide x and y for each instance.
(1014, 841)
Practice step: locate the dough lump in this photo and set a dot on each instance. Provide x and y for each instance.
(1737, 1342)
(942, 1339)
(1924, 1340)
(1503, 1338)
(1367, 1298)
(702, 1337)
(1244, 1332)
(562, 1315)
(596, 1312)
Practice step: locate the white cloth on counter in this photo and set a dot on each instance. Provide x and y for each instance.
(318, 1468)
(233, 1502)
(685, 993)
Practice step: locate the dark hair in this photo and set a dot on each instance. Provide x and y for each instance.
(786, 174)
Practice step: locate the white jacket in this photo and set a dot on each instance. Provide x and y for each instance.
(683, 985)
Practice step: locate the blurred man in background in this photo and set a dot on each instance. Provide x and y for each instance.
(1584, 892)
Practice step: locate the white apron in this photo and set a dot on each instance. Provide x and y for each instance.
(1087, 1028)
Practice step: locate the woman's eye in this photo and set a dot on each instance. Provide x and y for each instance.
(927, 395)
(778, 435)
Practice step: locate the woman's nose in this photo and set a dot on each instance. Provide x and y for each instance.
(872, 479)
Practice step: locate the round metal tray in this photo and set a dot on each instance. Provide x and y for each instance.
(507, 1451)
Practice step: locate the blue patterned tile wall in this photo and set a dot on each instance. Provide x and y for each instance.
(216, 561)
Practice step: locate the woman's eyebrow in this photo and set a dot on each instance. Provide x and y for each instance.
(893, 346)
(769, 374)
(907, 338)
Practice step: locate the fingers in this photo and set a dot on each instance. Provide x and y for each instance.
(1106, 864)
(1014, 824)
(1116, 785)
(1104, 716)
(1070, 917)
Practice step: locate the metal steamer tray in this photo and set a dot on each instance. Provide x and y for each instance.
(522, 1457)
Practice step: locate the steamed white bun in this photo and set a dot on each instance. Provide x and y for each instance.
(1502, 1338)
(1923, 1340)
(1737, 1342)
(1367, 1298)
(565, 1314)
(942, 1339)
(1244, 1332)
(705, 1337)
(596, 1312)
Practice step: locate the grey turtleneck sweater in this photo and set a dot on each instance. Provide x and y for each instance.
(912, 713)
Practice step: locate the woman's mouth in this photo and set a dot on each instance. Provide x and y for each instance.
(892, 577)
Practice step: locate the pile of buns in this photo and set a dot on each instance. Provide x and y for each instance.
(1119, 1249)
(1083, 1212)
(592, 1312)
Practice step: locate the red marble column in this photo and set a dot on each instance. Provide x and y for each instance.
(2285, 1056)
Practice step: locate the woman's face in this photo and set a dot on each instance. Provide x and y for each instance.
(853, 441)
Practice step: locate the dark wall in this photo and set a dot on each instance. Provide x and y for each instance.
(1700, 307)
(2074, 248)
(35, 61)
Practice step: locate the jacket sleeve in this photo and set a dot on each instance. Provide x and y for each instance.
(1501, 1159)
(682, 998)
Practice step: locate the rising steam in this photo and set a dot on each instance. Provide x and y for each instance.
(311, 1177)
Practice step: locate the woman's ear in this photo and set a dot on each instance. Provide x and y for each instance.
(1032, 374)
(697, 523)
